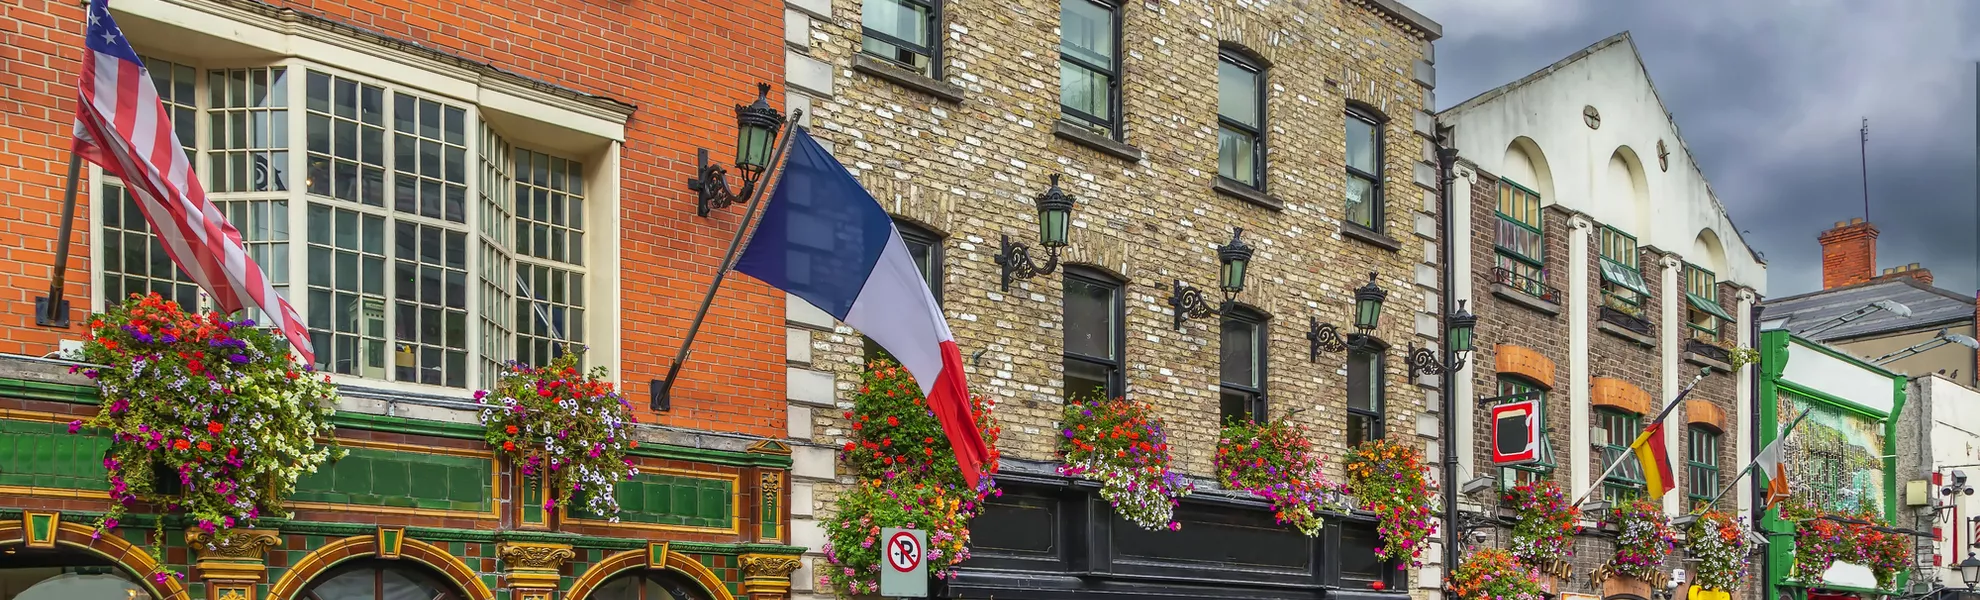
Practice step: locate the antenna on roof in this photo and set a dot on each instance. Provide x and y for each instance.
(1864, 148)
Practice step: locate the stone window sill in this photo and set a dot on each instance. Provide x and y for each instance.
(1226, 186)
(1619, 331)
(1507, 293)
(1706, 361)
(1371, 236)
(1086, 137)
(907, 79)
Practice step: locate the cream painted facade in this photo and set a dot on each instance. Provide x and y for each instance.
(1590, 135)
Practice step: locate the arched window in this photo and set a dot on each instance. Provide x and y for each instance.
(380, 580)
(1242, 366)
(63, 574)
(1095, 335)
(926, 249)
(1539, 470)
(647, 585)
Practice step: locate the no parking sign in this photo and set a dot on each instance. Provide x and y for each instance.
(903, 569)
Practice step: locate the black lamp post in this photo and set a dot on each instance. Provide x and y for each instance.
(1054, 223)
(1969, 571)
(756, 138)
(1367, 315)
(1422, 361)
(1233, 260)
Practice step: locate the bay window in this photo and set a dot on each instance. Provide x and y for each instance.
(400, 218)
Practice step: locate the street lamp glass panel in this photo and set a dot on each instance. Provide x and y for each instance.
(753, 146)
(1969, 571)
(1367, 313)
(1461, 338)
(1232, 275)
(1052, 226)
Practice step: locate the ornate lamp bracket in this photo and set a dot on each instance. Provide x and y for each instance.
(1323, 336)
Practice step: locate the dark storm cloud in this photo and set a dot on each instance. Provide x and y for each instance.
(1769, 97)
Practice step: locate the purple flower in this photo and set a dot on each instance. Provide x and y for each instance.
(75, 426)
(239, 359)
(109, 523)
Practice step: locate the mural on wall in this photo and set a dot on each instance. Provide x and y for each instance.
(1834, 455)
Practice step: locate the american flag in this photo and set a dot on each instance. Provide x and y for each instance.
(122, 127)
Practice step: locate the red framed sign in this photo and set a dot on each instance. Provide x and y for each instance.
(1516, 433)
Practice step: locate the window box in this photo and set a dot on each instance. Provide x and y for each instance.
(1707, 354)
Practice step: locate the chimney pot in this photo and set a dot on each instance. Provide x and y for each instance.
(1849, 254)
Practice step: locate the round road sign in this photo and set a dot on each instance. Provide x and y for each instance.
(903, 552)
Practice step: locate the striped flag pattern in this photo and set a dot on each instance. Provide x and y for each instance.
(122, 127)
(1656, 461)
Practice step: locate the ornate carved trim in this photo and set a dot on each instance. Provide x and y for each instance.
(769, 565)
(524, 555)
(233, 543)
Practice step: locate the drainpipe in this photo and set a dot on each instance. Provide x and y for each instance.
(1767, 591)
(1447, 382)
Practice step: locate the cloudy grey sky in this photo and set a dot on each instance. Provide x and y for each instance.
(1769, 95)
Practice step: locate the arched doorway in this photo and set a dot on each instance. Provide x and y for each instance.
(647, 584)
(373, 579)
(64, 574)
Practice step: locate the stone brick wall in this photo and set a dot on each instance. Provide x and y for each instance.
(968, 170)
(1507, 316)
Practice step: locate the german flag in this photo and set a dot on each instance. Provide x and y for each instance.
(1655, 459)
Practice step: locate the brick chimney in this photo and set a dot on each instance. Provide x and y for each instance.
(1849, 253)
(1912, 270)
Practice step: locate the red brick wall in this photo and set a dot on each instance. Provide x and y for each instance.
(683, 63)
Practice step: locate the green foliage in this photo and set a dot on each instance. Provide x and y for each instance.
(569, 428)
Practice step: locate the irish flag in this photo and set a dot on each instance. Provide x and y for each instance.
(823, 238)
(1656, 461)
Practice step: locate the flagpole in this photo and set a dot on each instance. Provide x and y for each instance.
(52, 310)
(1748, 469)
(660, 394)
(1668, 406)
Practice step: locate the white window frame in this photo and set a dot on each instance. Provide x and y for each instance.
(590, 132)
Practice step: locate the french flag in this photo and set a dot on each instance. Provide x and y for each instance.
(823, 238)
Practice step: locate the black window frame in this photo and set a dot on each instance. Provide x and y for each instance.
(912, 234)
(1113, 72)
(1241, 60)
(1117, 366)
(1378, 213)
(1378, 351)
(1256, 405)
(932, 49)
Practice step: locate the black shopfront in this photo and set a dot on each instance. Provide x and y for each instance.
(1052, 538)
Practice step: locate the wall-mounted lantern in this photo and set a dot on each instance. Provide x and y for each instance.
(1367, 315)
(756, 138)
(1423, 361)
(1054, 225)
(1233, 260)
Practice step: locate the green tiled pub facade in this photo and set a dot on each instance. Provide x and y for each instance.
(422, 499)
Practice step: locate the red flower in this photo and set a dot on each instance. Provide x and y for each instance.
(181, 444)
(510, 429)
(510, 446)
(205, 447)
(850, 447)
(214, 427)
(892, 421)
(634, 444)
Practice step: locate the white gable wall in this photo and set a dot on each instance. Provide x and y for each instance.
(1534, 134)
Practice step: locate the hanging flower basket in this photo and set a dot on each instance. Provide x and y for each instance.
(1823, 537)
(1120, 444)
(1719, 544)
(907, 477)
(206, 415)
(566, 427)
(1643, 538)
(1386, 477)
(1543, 526)
(1493, 574)
(1275, 461)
